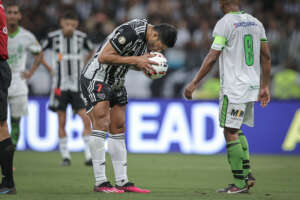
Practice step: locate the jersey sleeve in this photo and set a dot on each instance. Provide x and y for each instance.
(220, 35)
(263, 37)
(33, 45)
(46, 43)
(87, 44)
(123, 39)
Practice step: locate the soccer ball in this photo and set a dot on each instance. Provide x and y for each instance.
(161, 68)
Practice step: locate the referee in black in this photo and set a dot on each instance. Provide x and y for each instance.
(7, 149)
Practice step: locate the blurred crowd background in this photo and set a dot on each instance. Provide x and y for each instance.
(195, 20)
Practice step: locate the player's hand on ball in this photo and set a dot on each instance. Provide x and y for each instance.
(189, 89)
(145, 64)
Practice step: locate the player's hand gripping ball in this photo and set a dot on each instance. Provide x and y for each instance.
(161, 68)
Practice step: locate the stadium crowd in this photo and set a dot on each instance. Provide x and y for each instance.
(195, 20)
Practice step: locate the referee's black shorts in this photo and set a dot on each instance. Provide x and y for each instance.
(5, 79)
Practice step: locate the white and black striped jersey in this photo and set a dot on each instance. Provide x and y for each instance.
(128, 39)
(68, 58)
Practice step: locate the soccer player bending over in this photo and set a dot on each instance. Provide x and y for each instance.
(102, 84)
(241, 46)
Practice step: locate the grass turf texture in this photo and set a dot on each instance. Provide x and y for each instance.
(39, 176)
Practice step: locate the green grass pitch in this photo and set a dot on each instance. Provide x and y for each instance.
(39, 176)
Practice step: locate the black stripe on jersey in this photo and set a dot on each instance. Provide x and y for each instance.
(111, 75)
(69, 52)
(119, 72)
(106, 73)
(125, 71)
(59, 74)
(78, 74)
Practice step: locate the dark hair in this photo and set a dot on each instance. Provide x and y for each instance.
(11, 3)
(70, 15)
(167, 34)
(237, 2)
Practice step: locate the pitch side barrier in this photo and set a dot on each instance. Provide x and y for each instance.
(164, 126)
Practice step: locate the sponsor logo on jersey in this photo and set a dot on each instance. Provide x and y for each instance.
(244, 24)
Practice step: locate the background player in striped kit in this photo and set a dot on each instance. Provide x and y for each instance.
(102, 84)
(241, 46)
(20, 43)
(69, 47)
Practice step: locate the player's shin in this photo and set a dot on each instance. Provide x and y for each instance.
(15, 130)
(235, 158)
(63, 148)
(97, 148)
(87, 152)
(118, 153)
(246, 154)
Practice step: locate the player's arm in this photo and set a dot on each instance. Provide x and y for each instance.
(206, 67)
(33, 46)
(265, 57)
(46, 44)
(35, 65)
(47, 66)
(110, 56)
(208, 63)
(122, 40)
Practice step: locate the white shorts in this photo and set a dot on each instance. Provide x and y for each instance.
(233, 115)
(18, 105)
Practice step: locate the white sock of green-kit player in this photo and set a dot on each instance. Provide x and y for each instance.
(118, 153)
(87, 152)
(97, 148)
(63, 148)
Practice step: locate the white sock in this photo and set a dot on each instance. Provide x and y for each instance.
(96, 144)
(63, 148)
(87, 152)
(118, 153)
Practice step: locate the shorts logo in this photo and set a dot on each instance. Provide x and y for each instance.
(101, 96)
(237, 113)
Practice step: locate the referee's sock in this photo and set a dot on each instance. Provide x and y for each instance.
(6, 161)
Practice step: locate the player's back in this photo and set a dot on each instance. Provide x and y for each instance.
(128, 39)
(240, 59)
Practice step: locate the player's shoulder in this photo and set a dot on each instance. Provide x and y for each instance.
(80, 33)
(257, 21)
(26, 33)
(224, 19)
(137, 24)
(54, 33)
